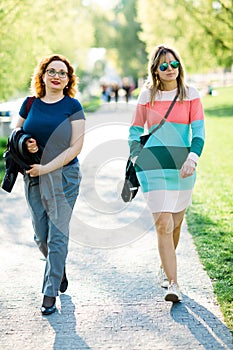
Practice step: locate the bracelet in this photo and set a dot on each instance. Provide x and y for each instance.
(195, 164)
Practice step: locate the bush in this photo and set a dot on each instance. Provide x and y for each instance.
(135, 92)
(3, 142)
(91, 105)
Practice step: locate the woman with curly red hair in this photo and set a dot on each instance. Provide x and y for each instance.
(56, 123)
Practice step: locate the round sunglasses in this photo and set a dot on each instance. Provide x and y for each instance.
(173, 64)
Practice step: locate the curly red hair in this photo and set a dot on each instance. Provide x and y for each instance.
(37, 84)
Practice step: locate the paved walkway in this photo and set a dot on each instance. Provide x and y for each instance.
(113, 300)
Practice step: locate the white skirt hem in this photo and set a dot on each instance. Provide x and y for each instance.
(168, 201)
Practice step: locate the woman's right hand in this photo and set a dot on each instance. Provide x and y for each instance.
(187, 168)
(32, 145)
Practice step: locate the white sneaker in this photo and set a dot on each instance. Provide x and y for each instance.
(173, 293)
(163, 280)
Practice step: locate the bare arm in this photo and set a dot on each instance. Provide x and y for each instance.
(78, 128)
(20, 122)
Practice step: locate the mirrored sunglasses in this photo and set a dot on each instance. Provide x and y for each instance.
(173, 64)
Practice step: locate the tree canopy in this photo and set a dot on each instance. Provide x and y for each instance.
(200, 29)
(31, 29)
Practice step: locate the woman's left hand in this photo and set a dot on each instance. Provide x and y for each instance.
(36, 170)
(32, 145)
(188, 168)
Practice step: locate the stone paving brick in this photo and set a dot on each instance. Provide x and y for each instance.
(113, 301)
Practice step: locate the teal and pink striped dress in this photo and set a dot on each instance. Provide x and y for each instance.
(158, 164)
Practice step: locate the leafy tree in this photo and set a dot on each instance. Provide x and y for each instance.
(194, 27)
(216, 21)
(32, 29)
(15, 51)
(130, 50)
(118, 30)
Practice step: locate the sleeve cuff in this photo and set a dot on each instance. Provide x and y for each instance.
(193, 156)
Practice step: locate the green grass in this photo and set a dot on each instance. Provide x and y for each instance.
(3, 142)
(210, 218)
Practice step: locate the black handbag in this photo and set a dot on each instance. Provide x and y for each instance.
(131, 183)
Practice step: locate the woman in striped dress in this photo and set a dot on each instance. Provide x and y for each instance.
(166, 165)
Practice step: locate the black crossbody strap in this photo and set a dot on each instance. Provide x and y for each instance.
(166, 115)
(29, 103)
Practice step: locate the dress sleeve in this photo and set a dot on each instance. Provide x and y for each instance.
(137, 125)
(197, 128)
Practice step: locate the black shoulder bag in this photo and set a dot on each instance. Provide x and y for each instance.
(131, 184)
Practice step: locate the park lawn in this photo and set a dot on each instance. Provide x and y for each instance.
(210, 218)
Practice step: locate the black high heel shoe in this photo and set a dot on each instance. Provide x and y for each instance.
(64, 282)
(49, 305)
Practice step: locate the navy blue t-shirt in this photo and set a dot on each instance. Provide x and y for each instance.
(50, 123)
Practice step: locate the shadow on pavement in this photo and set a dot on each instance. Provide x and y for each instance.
(140, 305)
(64, 325)
(203, 324)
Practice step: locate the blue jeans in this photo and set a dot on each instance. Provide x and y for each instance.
(51, 199)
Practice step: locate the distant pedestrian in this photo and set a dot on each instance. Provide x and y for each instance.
(115, 90)
(127, 87)
(109, 93)
(56, 122)
(106, 92)
(166, 166)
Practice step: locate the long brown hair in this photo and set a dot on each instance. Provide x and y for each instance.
(37, 84)
(154, 83)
